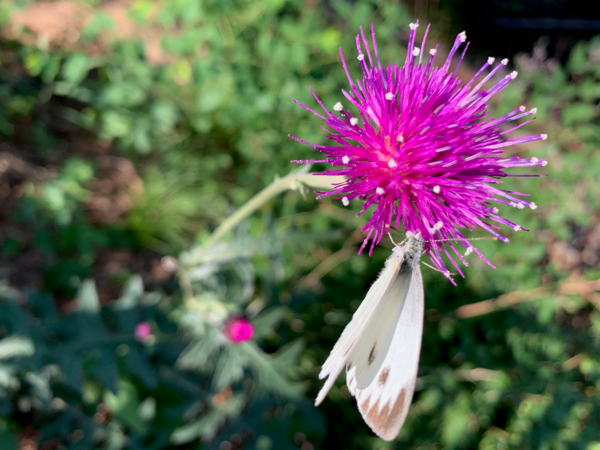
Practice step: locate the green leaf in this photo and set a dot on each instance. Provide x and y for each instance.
(70, 366)
(101, 22)
(141, 139)
(164, 115)
(75, 68)
(269, 372)
(7, 440)
(287, 355)
(115, 124)
(122, 94)
(577, 112)
(35, 62)
(209, 100)
(265, 321)
(16, 347)
(105, 368)
(589, 89)
(578, 61)
(207, 426)
(132, 294)
(230, 367)
(139, 366)
(125, 404)
(87, 297)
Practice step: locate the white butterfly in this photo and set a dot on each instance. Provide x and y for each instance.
(380, 346)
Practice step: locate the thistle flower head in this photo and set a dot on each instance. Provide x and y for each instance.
(414, 142)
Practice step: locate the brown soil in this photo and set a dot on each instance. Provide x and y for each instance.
(60, 24)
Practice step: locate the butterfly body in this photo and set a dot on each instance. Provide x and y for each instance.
(380, 346)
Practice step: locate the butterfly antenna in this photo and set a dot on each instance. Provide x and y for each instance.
(489, 238)
(392, 239)
(437, 270)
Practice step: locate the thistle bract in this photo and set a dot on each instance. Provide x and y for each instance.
(413, 141)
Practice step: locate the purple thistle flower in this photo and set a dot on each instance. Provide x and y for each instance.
(421, 149)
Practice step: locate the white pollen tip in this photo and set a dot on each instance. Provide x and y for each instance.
(544, 163)
(338, 106)
(514, 74)
(413, 26)
(544, 136)
(360, 57)
(504, 61)
(416, 51)
(345, 201)
(380, 191)
(518, 228)
(354, 121)
(432, 52)
(491, 60)
(469, 251)
(533, 111)
(520, 205)
(462, 36)
(389, 96)
(522, 108)
(345, 159)
(400, 138)
(437, 227)
(534, 160)
(495, 210)
(392, 164)
(533, 205)
(436, 189)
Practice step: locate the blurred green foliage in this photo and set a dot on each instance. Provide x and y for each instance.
(206, 129)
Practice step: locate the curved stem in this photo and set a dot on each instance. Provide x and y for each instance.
(293, 181)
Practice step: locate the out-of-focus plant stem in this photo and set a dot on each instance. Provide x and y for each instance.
(294, 181)
(585, 288)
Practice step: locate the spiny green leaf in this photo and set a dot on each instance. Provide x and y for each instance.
(87, 297)
(16, 347)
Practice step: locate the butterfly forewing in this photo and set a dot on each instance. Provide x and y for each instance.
(353, 332)
(373, 346)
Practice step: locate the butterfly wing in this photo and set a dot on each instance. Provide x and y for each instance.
(384, 396)
(354, 331)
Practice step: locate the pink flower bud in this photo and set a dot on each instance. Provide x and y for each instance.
(143, 330)
(238, 329)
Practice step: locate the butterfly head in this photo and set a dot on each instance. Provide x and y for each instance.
(413, 248)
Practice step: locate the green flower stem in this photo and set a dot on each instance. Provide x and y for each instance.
(293, 181)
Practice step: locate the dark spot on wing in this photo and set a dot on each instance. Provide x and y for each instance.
(372, 354)
(383, 376)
